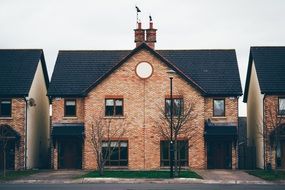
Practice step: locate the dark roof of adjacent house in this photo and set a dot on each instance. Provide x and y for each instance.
(213, 72)
(17, 70)
(270, 68)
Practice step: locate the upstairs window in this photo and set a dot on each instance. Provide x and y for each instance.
(113, 107)
(177, 109)
(219, 107)
(70, 108)
(5, 108)
(281, 106)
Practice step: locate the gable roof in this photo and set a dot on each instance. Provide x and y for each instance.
(77, 72)
(17, 70)
(270, 67)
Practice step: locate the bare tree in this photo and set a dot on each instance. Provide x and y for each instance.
(181, 127)
(103, 134)
(271, 132)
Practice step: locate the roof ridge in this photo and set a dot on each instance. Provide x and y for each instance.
(195, 49)
(21, 49)
(267, 46)
(92, 50)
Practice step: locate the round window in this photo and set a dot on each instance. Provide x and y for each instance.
(144, 70)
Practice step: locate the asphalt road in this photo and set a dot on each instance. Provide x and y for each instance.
(137, 187)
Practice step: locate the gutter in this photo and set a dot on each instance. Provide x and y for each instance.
(264, 143)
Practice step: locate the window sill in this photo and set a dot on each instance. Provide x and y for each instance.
(281, 116)
(8, 118)
(117, 167)
(167, 167)
(219, 117)
(66, 117)
(114, 117)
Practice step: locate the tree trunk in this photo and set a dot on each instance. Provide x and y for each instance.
(175, 159)
(100, 162)
(4, 159)
(101, 170)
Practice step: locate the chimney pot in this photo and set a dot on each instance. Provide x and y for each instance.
(139, 34)
(139, 25)
(151, 36)
(150, 25)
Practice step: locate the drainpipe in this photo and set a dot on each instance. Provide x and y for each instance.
(26, 132)
(264, 142)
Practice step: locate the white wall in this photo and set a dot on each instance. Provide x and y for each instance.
(255, 117)
(38, 123)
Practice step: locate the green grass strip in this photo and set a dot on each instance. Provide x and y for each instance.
(12, 175)
(140, 174)
(269, 175)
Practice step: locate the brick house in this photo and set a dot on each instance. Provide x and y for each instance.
(265, 98)
(110, 83)
(24, 109)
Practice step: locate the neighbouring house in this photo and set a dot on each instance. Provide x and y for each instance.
(24, 109)
(265, 98)
(132, 86)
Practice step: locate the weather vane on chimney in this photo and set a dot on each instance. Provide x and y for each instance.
(138, 11)
(150, 18)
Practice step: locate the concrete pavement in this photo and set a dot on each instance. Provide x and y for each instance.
(55, 175)
(209, 177)
(227, 175)
(144, 186)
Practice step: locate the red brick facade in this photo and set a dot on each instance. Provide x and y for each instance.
(142, 100)
(17, 122)
(271, 121)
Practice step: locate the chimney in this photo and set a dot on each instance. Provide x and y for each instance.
(151, 35)
(139, 34)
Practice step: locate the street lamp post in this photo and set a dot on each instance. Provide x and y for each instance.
(171, 129)
(171, 145)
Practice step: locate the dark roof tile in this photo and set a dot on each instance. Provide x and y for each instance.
(17, 70)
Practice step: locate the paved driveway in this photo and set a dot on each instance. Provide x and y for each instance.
(55, 175)
(226, 175)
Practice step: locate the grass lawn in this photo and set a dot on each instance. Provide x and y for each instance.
(140, 174)
(268, 174)
(12, 175)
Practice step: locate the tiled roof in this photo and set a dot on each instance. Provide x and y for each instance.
(216, 71)
(213, 72)
(270, 67)
(17, 70)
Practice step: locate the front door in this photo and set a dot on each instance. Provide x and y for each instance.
(9, 154)
(70, 154)
(219, 155)
(282, 154)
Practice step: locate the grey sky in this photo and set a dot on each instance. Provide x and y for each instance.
(54, 25)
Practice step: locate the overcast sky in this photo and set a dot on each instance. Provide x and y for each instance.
(54, 25)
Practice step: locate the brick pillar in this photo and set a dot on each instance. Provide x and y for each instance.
(19, 156)
(55, 157)
(234, 156)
